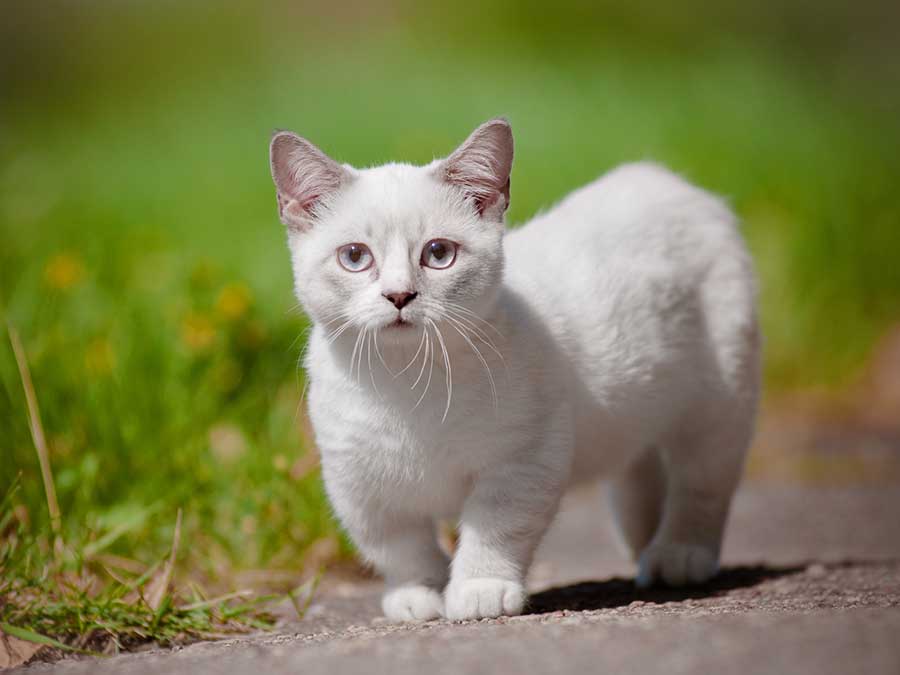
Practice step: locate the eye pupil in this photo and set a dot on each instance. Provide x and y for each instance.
(355, 254)
(438, 250)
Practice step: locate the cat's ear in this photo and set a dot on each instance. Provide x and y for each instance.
(303, 176)
(481, 167)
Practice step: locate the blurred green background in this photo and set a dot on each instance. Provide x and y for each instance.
(142, 261)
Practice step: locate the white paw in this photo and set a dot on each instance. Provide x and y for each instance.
(412, 603)
(676, 565)
(484, 598)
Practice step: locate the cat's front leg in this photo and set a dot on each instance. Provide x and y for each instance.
(401, 545)
(415, 572)
(502, 523)
(405, 550)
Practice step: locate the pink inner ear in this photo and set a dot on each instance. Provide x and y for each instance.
(485, 201)
(308, 204)
(481, 166)
(505, 192)
(483, 193)
(303, 175)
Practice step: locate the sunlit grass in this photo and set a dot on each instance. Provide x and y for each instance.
(86, 601)
(74, 595)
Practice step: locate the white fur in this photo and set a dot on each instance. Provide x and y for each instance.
(618, 341)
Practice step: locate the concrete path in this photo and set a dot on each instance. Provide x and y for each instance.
(811, 585)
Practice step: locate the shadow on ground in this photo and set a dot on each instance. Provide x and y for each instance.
(617, 592)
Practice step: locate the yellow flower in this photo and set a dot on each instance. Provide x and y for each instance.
(63, 271)
(198, 332)
(233, 301)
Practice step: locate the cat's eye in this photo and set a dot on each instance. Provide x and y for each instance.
(355, 257)
(439, 254)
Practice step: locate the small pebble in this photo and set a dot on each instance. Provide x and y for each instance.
(816, 570)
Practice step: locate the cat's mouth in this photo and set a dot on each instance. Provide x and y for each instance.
(400, 322)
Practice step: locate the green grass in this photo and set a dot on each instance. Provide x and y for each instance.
(143, 265)
(92, 603)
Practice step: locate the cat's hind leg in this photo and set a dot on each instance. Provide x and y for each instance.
(636, 500)
(702, 468)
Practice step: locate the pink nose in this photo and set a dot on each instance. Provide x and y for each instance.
(400, 300)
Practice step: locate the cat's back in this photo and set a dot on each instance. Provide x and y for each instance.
(641, 211)
(634, 274)
(638, 226)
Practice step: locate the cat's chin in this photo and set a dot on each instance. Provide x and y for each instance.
(401, 333)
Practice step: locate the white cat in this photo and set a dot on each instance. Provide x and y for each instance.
(457, 370)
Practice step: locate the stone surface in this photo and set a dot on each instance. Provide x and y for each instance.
(811, 584)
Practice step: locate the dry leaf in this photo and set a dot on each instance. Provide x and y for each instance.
(14, 652)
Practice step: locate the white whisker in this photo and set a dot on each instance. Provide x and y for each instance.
(340, 331)
(480, 334)
(301, 335)
(356, 346)
(415, 356)
(302, 392)
(334, 335)
(428, 348)
(480, 358)
(465, 310)
(369, 359)
(468, 316)
(365, 334)
(449, 370)
(468, 325)
(381, 358)
(424, 357)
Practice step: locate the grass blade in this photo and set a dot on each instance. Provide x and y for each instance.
(301, 597)
(160, 586)
(91, 549)
(37, 638)
(37, 428)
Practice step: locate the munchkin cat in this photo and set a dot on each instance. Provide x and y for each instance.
(459, 370)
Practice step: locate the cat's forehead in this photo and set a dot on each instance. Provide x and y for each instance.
(392, 200)
(397, 187)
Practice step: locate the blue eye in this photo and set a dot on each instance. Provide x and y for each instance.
(439, 254)
(355, 257)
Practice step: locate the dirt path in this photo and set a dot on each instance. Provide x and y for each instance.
(811, 585)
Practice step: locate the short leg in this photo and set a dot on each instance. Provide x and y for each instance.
(502, 523)
(415, 571)
(401, 545)
(636, 498)
(702, 472)
(405, 550)
(703, 457)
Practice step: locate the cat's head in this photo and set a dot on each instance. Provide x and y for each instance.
(395, 246)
